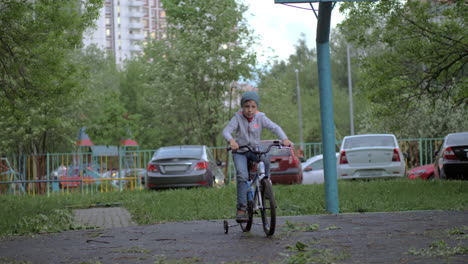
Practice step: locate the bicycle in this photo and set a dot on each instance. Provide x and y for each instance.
(260, 196)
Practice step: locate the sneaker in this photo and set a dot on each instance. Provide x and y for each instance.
(241, 216)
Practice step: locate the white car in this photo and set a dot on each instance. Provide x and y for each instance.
(370, 156)
(312, 170)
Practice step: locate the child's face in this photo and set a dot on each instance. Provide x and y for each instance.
(249, 108)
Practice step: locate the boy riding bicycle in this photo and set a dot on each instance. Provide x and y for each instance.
(248, 124)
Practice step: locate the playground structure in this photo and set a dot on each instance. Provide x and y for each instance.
(13, 182)
(85, 170)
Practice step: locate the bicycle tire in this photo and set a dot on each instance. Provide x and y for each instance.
(246, 226)
(268, 211)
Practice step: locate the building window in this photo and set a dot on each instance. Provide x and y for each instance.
(108, 32)
(108, 21)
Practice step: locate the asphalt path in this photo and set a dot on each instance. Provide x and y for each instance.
(400, 237)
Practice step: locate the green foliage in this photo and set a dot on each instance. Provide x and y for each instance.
(413, 63)
(439, 248)
(38, 74)
(185, 76)
(57, 220)
(278, 90)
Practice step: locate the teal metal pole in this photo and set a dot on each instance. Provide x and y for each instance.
(326, 106)
(48, 174)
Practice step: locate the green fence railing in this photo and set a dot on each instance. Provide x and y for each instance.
(89, 172)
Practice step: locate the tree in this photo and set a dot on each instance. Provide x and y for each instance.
(279, 99)
(414, 64)
(101, 108)
(188, 74)
(37, 74)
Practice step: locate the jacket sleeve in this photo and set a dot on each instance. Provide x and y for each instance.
(273, 127)
(230, 128)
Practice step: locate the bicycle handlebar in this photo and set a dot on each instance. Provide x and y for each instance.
(275, 143)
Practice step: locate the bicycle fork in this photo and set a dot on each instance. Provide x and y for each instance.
(258, 204)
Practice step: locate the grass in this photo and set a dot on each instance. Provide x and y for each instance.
(35, 214)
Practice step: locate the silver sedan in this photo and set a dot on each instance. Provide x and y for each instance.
(183, 166)
(370, 156)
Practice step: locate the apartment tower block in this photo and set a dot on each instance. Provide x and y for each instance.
(123, 27)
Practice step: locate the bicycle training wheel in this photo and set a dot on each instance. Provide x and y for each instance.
(246, 226)
(268, 211)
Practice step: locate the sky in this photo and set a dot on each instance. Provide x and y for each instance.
(279, 26)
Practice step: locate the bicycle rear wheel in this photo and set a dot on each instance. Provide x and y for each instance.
(246, 226)
(268, 211)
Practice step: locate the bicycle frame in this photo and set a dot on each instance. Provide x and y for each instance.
(255, 183)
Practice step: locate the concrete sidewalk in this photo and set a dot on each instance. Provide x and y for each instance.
(103, 217)
(416, 237)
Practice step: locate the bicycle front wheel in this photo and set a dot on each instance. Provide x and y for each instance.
(268, 211)
(246, 226)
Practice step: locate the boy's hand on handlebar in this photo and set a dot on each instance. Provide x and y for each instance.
(233, 144)
(287, 143)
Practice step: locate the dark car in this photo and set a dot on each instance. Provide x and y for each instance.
(285, 165)
(183, 166)
(424, 172)
(451, 161)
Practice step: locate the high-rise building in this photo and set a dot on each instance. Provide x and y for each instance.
(124, 25)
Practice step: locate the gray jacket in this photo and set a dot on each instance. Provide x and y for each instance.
(249, 133)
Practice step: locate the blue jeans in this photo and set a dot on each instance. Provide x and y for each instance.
(242, 174)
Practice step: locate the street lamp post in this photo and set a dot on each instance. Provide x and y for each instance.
(299, 106)
(350, 88)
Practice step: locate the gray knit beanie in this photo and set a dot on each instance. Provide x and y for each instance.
(250, 95)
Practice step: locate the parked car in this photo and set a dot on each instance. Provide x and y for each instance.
(312, 170)
(183, 166)
(451, 161)
(370, 156)
(425, 172)
(285, 166)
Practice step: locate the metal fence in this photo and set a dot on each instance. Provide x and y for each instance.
(90, 172)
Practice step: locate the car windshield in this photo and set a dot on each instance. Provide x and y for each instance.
(179, 152)
(369, 141)
(457, 139)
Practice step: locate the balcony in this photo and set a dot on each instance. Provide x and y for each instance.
(135, 3)
(135, 47)
(135, 13)
(136, 37)
(135, 25)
